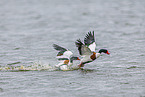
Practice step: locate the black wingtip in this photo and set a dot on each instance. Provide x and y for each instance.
(89, 38)
(55, 46)
(79, 45)
(93, 33)
(90, 34)
(59, 48)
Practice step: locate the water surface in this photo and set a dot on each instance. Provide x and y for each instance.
(29, 28)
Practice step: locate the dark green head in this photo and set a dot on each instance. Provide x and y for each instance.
(74, 58)
(104, 51)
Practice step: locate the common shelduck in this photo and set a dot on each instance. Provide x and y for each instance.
(87, 49)
(65, 58)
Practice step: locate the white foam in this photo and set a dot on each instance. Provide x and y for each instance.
(34, 67)
(37, 66)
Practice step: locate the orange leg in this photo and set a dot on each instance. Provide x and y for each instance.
(81, 65)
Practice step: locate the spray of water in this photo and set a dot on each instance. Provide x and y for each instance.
(36, 66)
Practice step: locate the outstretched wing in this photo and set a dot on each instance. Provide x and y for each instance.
(60, 49)
(89, 41)
(83, 50)
(63, 53)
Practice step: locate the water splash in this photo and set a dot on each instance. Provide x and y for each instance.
(34, 67)
(37, 66)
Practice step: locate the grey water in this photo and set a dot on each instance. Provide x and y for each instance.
(29, 28)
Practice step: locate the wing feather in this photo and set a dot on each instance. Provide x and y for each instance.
(63, 52)
(89, 41)
(83, 50)
(59, 48)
